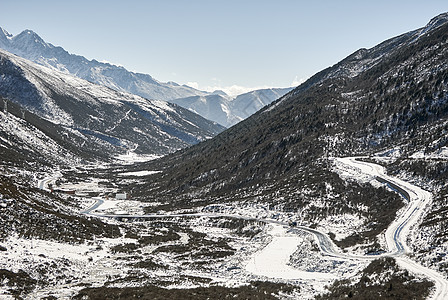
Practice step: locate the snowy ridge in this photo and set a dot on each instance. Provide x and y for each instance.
(365, 59)
(433, 24)
(29, 45)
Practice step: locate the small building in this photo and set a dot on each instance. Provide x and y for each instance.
(121, 196)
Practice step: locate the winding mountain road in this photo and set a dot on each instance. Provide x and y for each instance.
(95, 205)
(43, 184)
(398, 231)
(396, 234)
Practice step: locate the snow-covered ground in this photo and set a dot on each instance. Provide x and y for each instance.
(442, 153)
(139, 173)
(63, 266)
(119, 207)
(273, 260)
(299, 255)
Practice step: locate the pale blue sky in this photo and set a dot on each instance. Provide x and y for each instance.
(218, 43)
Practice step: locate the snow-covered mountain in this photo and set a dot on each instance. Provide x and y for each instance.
(102, 117)
(212, 107)
(245, 105)
(216, 106)
(31, 46)
(228, 111)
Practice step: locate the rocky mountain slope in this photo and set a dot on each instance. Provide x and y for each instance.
(96, 118)
(392, 98)
(228, 111)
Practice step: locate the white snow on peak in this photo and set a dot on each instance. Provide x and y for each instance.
(6, 33)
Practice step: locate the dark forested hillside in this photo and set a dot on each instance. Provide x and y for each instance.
(394, 94)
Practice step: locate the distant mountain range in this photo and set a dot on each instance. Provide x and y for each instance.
(216, 106)
(228, 111)
(95, 118)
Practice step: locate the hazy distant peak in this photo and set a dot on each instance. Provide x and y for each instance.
(228, 111)
(29, 37)
(220, 92)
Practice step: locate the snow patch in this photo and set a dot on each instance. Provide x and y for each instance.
(132, 157)
(139, 173)
(273, 260)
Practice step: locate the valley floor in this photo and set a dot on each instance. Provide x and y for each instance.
(231, 246)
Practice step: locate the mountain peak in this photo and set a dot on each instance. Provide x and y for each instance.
(5, 37)
(4, 34)
(28, 32)
(30, 37)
